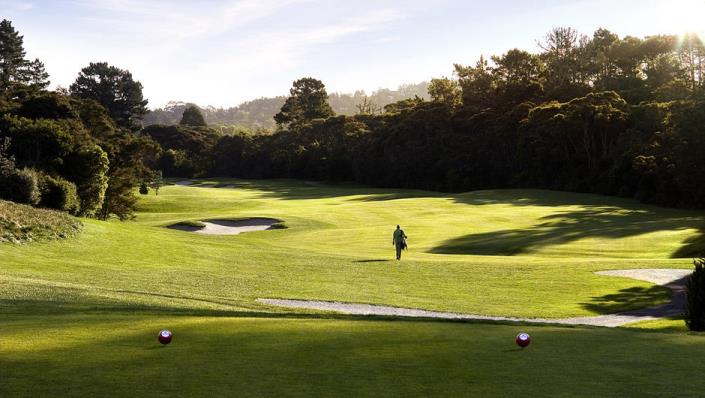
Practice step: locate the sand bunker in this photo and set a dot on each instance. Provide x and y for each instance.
(230, 227)
(184, 183)
(674, 279)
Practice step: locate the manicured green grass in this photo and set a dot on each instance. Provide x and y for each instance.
(82, 314)
(338, 247)
(118, 356)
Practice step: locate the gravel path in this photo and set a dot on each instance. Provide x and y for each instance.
(674, 279)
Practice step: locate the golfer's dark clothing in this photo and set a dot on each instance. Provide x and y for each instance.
(398, 240)
(400, 247)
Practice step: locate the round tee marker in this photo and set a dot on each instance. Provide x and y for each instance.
(523, 340)
(165, 337)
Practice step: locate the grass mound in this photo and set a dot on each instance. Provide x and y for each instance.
(190, 223)
(22, 223)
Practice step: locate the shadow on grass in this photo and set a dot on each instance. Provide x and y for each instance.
(564, 227)
(599, 216)
(632, 298)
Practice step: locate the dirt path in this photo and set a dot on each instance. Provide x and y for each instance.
(674, 279)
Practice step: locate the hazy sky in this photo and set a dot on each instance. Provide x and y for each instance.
(228, 51)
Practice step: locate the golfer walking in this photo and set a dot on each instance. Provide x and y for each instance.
(399, 240)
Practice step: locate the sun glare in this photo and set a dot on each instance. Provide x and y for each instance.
(683, 16)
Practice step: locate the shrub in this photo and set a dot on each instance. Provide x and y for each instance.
(88, 168)
(21, 186)
(144, 189)
(59, 194)
(695, 306)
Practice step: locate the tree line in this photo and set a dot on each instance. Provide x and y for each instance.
(256, 115)
(77, 150)
(603, 114)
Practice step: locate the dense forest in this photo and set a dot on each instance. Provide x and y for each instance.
(257, 115)
(603, 114)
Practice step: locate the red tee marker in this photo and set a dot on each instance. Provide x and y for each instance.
(523, 340)
(165, 337)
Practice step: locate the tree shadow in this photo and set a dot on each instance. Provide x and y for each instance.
(636, 301)
(693, 247)
(599, 216)
(568, 226)
(628, 299)
(538, 197)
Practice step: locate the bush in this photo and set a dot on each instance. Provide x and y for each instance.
(695, 306)
(144, 189)
(59, 194)
(88, 168)
(21, 186)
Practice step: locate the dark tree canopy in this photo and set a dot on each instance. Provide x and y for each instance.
(14, 68)
(192, 117)
(11, 54)
(308, 101)
(115, 89)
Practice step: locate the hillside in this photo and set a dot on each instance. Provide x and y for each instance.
(258, 113)
(22, 223)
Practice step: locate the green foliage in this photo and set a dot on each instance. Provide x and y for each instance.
(21, 186)
(446, 92)
(11, 55)
(257, 114)
(115, 89)
(187, 150)
(59, 194)
(192, 117)
(119, 197)
(156, 181)
(144, 189)
(88, 169)
(695, 306)
(308, 100)
(47, 105)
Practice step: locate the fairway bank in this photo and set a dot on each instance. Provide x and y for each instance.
(674, 279)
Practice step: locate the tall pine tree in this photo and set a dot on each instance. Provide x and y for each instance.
(12, 54)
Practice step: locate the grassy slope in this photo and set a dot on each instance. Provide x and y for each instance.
(22, 223)
(335, 236)
(328, 252)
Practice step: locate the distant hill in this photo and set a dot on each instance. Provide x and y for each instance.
(258, 113)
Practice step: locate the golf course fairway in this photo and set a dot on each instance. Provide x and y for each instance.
(80, 316)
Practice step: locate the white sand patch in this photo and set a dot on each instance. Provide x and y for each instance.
(184, 183)
(671, 278)
(656, 276)
(228, 227)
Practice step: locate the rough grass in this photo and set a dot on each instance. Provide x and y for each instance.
(21, 223)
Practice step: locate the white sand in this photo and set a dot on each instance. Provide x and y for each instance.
(226, 227)
(672, 278)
